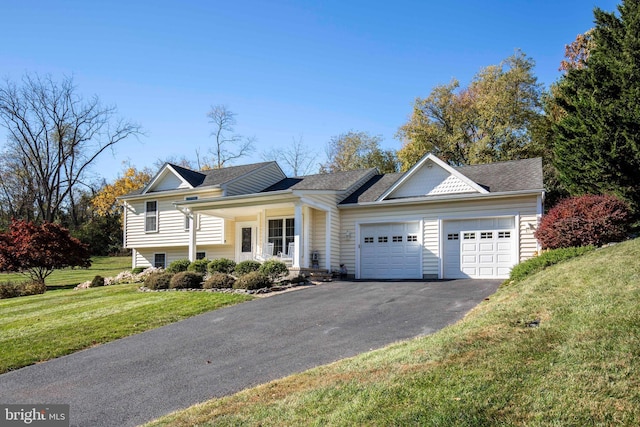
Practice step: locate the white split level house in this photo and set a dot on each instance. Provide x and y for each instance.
(434, 221)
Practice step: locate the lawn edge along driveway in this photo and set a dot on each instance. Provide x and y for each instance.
(139, 378)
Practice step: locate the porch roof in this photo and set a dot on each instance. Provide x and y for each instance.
(241, 205)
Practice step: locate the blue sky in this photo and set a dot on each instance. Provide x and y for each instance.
(286, 68)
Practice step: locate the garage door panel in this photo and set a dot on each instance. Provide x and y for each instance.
(486, 259)
(390, 251)
(485, 249)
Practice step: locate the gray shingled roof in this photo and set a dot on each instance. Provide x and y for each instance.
(515, 175)
(210, 177)
(373, 189)
(337, 181)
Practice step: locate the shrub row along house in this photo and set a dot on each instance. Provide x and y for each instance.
(433, 221)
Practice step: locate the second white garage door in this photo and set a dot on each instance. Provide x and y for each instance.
(390, 251)
(479, 248)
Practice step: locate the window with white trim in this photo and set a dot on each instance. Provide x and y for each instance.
(469, 236)
(280, 233)
(453, 236)
(187, 223)
(160, 260)
(396, 239)
(151, 216)
(486, 235)
(383, 239)
(412, 238)
(368, 239)
(504, 234)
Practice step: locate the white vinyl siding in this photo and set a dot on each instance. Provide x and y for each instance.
(431, 253)
(145, 257)
(170, 227)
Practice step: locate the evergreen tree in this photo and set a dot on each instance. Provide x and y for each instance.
(597, 139)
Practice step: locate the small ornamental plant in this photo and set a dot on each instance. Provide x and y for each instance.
(219, 281)
(253, 280)
(221, 265)
(186, 280)
(246, 267)
(36, 250)
(583, 221)
(199, 266)
(178, 265)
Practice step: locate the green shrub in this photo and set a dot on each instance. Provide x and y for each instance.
(33, 287)
(9, 290)
(199, 266)
(13, 290)
(546, 259)
(97, 281)
(221, 265)
(158, 280)
(274, 269)
(138, 270)
(219, 281)
(178, 266)
(186, 280)
(253, 280)
(245, 267)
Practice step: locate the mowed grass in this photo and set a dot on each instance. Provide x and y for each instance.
(561, 348)
(59, 322)
(69, 277)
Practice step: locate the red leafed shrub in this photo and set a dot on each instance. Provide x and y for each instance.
(585, 220)
(37, 250)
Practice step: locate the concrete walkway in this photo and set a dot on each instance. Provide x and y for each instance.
(136, 379)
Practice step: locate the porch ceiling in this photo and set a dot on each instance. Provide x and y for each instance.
(239, 211)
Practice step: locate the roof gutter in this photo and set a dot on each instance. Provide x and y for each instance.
(440, 199)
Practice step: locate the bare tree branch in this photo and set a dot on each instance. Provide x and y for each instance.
(57, 135)
(228, 145)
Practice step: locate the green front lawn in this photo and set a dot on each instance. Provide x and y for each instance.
(104, 266)
(59, 322)
(560, 348)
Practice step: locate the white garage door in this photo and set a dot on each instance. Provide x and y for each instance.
(481, 248)
(390, 251)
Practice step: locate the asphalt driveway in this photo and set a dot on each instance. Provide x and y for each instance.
(139, 378)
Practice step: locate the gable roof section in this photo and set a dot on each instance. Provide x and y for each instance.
(193, 179)
(337, 181)
(501, 177)
(431, 176)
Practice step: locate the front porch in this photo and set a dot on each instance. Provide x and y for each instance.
(285, 227)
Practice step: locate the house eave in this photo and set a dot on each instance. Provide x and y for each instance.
(165, 193)
(443, 198)
(238, 201)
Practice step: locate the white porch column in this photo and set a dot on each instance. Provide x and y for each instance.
(329, 222)
(192, 236)
(297, 229)
(306, 225)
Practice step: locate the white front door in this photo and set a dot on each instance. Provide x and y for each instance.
(246, 240)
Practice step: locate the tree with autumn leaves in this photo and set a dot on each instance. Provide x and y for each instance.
(37, 250)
